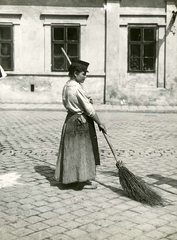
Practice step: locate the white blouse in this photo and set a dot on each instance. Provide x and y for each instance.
(76, 100)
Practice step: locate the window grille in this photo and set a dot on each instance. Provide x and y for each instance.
(67, 37)
(6, 47)
(141, 48)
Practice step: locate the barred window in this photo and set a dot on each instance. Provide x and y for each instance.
(142, 48)
(67, 37)
(6, 47)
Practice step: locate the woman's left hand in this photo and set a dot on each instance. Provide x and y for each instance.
(102, 128)
(90, 100)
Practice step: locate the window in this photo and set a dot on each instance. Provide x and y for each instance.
(66, 37)
(142, 48)
(6, 47)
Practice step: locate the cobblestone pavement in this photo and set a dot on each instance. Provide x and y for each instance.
(33, 206)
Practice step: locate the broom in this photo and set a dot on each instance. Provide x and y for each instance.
(69, 61)
(135, 188)
(133, 185)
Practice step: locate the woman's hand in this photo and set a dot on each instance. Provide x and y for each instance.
(100, 124)
(90, 100)
(102, 128)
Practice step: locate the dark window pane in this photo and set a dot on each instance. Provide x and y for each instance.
(57, 49)
(72, 49)
(5, 49)
(149, 50)
(148, 64)
(135, 50)
(135, 34)
(149, 34)
(72, 34)
(73, 58)
(6, 63)
(142, 49)
(66, 37)
(59, 63)
(134, 64)
(58, 33)
(5, 33)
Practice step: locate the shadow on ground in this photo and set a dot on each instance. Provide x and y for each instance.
(163, 180)
(110, 173)
(48, 173)
(114, 189)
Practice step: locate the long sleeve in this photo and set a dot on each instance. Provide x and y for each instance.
(85, 103)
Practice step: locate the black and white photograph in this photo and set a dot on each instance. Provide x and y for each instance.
(88, 120)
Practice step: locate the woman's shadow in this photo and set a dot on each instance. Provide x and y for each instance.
(48, 173)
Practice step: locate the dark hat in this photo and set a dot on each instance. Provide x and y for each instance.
(80, 64)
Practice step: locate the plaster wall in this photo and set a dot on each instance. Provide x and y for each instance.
(144, 88)
(47, 89)
(30, 41)
(171, 56)
(58, 3)
(112, 43)
(32, 51)
(104, 43)
(171, 49)
(141, 4)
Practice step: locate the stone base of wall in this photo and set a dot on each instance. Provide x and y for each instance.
(44, 89)
(143, 96)
(29, 89)
(48, 89)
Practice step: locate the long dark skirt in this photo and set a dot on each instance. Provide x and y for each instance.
(78, 151)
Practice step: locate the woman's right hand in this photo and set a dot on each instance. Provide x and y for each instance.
(100, 124)
(102, 128)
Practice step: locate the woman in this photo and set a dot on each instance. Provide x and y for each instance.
(78, 151)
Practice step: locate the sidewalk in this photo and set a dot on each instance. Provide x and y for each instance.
(98, 107)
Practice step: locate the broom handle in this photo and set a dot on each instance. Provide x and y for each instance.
(69, 61)
(111, 147)
(119, 163)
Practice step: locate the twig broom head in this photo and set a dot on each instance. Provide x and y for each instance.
(134, 186)
(137, 189)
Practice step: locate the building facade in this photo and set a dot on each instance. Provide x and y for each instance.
(131, 47)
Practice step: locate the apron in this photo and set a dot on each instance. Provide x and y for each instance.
(78, 151)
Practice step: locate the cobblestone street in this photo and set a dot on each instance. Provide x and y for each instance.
(33, 206)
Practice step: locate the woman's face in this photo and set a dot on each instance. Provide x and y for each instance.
(80, 77)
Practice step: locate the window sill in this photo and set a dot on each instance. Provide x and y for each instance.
(50, 74)
(9, 73)
(142, 72)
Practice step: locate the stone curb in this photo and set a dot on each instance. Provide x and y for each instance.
(99, 108)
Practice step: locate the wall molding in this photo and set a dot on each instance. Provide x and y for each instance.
(50, 74)
(50, 18)
(142, 15)
(45, 14)
(10, 17)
